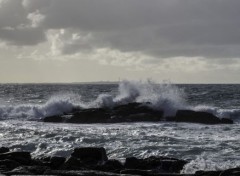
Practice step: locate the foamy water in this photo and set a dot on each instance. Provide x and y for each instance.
(205, 147)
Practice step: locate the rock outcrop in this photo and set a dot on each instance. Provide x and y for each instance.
(134, 112)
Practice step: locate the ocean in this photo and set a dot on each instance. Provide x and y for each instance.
(206, 147)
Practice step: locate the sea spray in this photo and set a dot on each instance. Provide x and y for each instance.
(164, 96)
(56, 105)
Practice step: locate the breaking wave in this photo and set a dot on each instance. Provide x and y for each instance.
(165, 96)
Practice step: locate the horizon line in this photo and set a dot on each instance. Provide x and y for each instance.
(102, 82)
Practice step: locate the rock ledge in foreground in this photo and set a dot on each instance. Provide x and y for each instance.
(93, 161)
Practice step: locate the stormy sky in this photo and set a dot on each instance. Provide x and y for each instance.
(182, 41)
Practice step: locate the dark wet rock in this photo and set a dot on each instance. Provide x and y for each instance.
(21, 157)
(55, 119)
(161, 164)
(93, 115)
(226, 121)
(43, 158)
(28, 170)
(196, 117)
(132, 112)
(110, 166)
(56, 161)
(150, 173)
(231, 172)
(207, 173)
(82, 173)
(73, 163)
(170, 119)
(126, 109)
(138, 172)
(4, 150)
(90, 155)
(41, 161)
(134, 108)
(9, 164)
(141, 117)
(3, 169)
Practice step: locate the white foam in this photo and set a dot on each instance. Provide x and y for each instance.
(55, 105)
(161, 96)
(220, 112)
(165, 96)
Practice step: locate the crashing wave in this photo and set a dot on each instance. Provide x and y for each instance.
(166, 97)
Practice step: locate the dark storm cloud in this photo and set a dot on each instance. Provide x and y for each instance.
(163, 28)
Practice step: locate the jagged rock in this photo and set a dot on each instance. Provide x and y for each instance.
(21, 157)
(196, 117)
(162, 164)
(56, 161)
(90, 155)
(4, 150)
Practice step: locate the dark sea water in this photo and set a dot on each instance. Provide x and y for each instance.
(205, 147)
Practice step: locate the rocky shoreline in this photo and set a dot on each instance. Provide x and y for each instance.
(134, 112)
(91, 161)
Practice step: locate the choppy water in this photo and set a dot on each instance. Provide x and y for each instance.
(205, 147)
